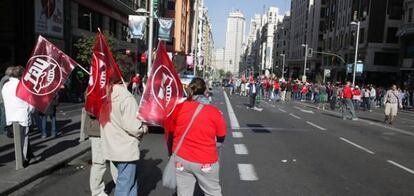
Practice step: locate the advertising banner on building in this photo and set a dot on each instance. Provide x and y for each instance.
(164, 31)
(49, 17)
(137, 26)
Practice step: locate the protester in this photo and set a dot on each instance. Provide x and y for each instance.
(197, 159)
(19, 111)
(136, 83)
(323, 97)
(51, 113)
(121, 134)
(98, 167)
(3, 80)
(366, 98)
(356, 98)
(347, 101)
(391, 102)
(253, 93)
(372, 96)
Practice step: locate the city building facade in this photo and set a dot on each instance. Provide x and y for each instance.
(234, 41)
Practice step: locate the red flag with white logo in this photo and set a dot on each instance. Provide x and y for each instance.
(104, 73)
(46, 71)
(163, 90)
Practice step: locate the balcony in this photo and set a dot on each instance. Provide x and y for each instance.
(406, 29)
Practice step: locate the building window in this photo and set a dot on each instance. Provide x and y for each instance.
(124, 32)
(392, 35)
(83, 18)
(171, 5)
(112, 27)
(410, 15)
(387, 59)
(395, 9)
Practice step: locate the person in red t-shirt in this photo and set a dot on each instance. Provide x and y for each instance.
(136, 83)
(197, 159)
(346, 96)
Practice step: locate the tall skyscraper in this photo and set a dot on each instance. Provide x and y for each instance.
(234, 41)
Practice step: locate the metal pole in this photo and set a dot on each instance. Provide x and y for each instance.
(151, 35)
(196, 39)
(356, 53)
(306, 59)
(283, 66)
(82, 135)
(18, 145)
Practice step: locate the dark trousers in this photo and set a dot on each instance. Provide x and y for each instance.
(367, 103)
(333, 102)
(252, 99)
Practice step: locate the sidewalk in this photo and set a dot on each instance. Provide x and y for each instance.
(53, 152)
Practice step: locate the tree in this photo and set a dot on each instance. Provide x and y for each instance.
(228, 74)
(84, 47)
(221, 73)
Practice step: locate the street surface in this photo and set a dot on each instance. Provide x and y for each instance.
(286, 149)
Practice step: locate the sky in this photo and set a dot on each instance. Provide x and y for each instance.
(218, 11)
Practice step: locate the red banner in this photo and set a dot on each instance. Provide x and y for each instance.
(163, 90)
(104, 71)
(46, 71)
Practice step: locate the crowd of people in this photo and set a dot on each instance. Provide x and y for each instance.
(336, 95)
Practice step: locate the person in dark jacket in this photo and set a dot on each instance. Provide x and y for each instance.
(51, 113)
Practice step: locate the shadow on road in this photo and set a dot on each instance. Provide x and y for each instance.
(149, 173)
(258, 128)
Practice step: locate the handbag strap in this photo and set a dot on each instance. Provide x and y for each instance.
(197, 111)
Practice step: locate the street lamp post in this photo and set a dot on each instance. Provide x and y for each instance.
(150, 16)
(151, 35)
(358, 24)
(283, 65)
(306, 59)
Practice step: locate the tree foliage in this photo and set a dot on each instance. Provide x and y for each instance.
(84, 48)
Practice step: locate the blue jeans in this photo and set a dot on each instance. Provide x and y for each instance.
(53, 132)
(127, 182)
(2, 119)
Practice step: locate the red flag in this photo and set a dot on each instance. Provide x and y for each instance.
(163, 90)
(46, 71)
(104, 73)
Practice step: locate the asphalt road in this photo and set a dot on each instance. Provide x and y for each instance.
(286, 149)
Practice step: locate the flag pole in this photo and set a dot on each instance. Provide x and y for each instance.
(84, 69)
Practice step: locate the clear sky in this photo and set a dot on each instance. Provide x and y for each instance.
(218, 10)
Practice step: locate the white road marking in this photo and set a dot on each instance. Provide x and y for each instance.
(294, 116)
(270, 129)
(303, 110)
(401, 166)
(368, 122)
(233, 119)
(356, 145)
(284, 111)
(240, 149)
(247, 172)
(237, 134)
(314, 125)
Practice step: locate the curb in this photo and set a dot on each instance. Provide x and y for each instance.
(36, 171)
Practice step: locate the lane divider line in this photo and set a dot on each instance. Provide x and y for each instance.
(401, 166)
(240, 149)
(303, 110)
(284, 111)
(294, 116)
(317, 126)
(247, 172)
(356, 145)
(233, 119)
(237, 134)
